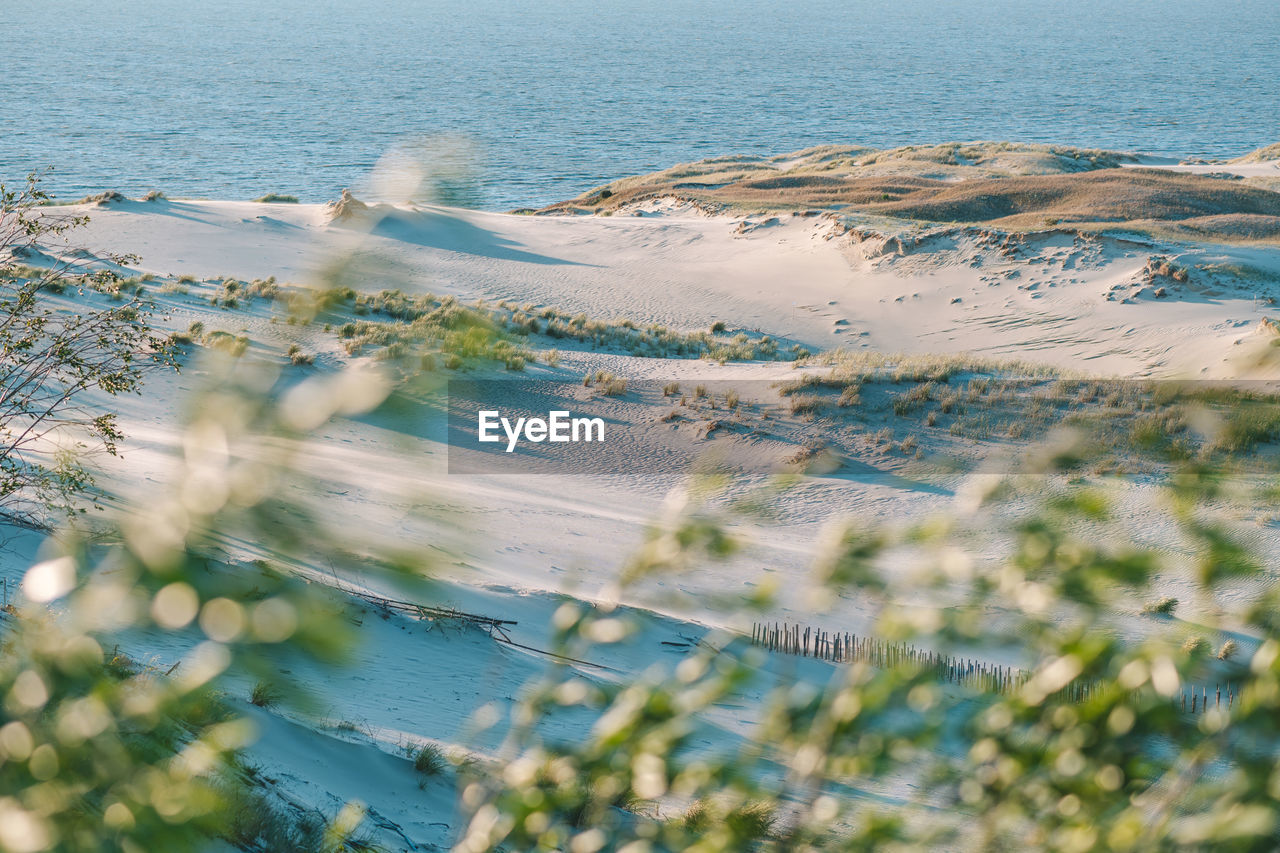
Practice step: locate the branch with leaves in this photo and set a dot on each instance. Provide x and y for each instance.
(58, 358)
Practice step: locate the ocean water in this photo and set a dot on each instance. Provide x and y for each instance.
(525, 102)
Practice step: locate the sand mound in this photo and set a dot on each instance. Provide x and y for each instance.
(104, 198)
(346, 207)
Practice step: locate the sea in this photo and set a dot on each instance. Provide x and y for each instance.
(521, 103)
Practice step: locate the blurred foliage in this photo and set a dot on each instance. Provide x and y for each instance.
(52, 359)
(885, 759)
(101, 752)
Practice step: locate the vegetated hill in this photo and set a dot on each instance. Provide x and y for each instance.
(1260, 155)
(1013, 186)
(1139, 196)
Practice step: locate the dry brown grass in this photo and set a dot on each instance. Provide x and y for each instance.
(1261, 155)
(1109, 196)
(1009, 186)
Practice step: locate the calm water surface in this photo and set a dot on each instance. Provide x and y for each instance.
(524, 103)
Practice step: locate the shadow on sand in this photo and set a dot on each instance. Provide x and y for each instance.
(454, 234)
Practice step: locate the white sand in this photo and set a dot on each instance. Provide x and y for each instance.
(792, 279)
(1077, 305)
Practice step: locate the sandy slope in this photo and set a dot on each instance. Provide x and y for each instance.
(1054, 298)
(519, 542)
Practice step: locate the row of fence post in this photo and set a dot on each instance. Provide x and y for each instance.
(844, 647)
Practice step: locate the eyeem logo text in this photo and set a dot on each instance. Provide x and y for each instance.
(558, 427)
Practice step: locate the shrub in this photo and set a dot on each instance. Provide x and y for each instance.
(717, 327)
(276, 198)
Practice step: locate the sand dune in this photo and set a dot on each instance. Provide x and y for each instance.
(1075, 300)
(1118, 305)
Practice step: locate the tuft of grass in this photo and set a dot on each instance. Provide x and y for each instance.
(1227, 650)
(256, 822)
(753, 820)
(299, 358)
(103, 198)
(1195, 647)
(610, 383)
(276, 198)
(429, 760)
(1163, 607)
(808, 452)
(234, 345)
(653, 340)
(805, 404)
(697, 818)
(264, 695)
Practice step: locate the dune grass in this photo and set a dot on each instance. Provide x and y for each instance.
(977, 399)
(428, 759)
(1008, 185)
